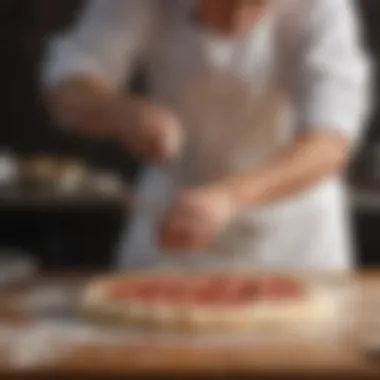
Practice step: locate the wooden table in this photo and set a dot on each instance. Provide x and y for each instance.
(341, 356)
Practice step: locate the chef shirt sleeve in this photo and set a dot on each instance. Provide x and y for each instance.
(105, 41)
(333, 78)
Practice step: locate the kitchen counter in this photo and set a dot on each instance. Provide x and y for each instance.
(19, 197)
(40, 335)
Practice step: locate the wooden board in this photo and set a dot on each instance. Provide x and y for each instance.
(340, 356)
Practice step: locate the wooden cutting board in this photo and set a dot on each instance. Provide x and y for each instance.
(37, 337)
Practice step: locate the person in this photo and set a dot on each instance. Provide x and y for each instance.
(254, 111)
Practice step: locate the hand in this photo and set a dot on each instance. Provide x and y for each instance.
(195, 219)
(85, 104)
(150, 132)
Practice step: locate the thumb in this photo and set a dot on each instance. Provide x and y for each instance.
(172, 140)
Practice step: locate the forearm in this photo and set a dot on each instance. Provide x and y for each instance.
(148, 131)
(310, 159)
(88, 105)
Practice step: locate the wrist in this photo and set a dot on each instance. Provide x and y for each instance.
(235, 190)
(224, 191)
(124, 113)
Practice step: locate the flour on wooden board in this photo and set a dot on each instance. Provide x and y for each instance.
(56, 332)
(45, 343)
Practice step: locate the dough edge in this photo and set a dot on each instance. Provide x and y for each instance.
(317, 306)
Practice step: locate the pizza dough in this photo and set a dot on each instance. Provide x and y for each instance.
(207, 302)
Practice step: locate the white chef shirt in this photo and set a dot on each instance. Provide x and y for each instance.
(309, 50)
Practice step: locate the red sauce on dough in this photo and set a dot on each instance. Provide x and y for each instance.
(218, 290)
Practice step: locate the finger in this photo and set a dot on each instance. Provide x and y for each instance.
(177, 243)
(145, 147)
(185, 235)
(172, 140)
(194, 240)
(182, 211)
(139, 150)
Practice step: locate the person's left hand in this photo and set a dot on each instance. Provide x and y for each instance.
(195, 219)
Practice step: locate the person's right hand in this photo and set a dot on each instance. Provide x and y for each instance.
(150, 132)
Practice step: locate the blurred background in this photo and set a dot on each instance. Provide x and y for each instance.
(61, 197)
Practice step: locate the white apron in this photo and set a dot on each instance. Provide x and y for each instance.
(233, 103)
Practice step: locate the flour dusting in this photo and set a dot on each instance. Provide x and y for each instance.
(42, 343)
(56, 332)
